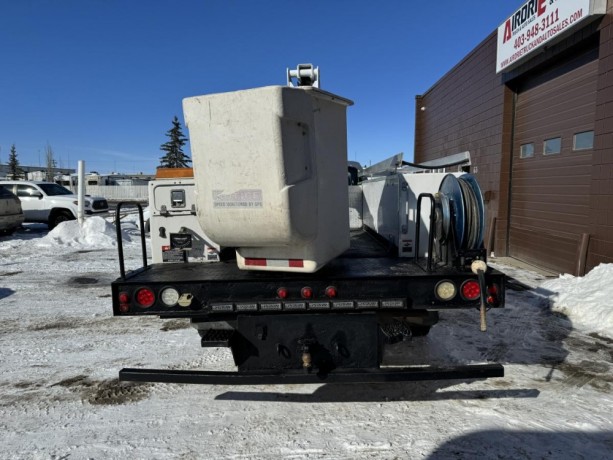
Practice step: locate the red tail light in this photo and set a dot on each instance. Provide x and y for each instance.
(331, 292)
(282, 293)
(145, 297)
(306, 292)
(124, 302)
(492, 295)
(470, 290)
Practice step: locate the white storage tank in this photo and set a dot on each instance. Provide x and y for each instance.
(271, 174)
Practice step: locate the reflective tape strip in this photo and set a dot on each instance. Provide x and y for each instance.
(284, 263)
(256, 262)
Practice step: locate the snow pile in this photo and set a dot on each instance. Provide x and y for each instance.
(134, 219)
(587, 301)
(95, 232)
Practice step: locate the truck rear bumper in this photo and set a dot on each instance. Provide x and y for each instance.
(271, 377)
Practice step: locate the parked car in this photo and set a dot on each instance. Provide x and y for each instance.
(51, 203)
(11, 214)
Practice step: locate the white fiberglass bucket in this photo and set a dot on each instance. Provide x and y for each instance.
(271, 174)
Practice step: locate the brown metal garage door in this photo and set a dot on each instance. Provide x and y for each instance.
(550, 192)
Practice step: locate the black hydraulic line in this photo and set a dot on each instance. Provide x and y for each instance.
(122, 268)
(271, 377)
(448, 165)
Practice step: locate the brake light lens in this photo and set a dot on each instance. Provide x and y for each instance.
(282, 293)
(124, 302)
(306, 292)
(331, 292)
(145, 297)
(470, 290)
(492, 295)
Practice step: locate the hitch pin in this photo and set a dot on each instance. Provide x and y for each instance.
(306, 360)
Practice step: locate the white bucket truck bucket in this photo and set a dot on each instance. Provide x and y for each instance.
(271, 174)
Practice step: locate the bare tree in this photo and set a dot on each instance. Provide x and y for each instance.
(51, 164)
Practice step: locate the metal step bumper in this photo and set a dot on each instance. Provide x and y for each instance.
(272, 377)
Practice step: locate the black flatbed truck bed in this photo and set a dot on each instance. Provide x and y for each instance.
(295, 339)
(367, 272)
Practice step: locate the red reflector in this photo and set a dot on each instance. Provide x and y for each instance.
(165, 248)
(124, 297)
(282, 293)
(331, 292)
(255, 262)
(124, 308)
(306, 292)
(296, 263)
(145, 297)
(471, 290)
(492, 297)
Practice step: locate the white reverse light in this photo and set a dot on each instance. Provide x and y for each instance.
(170, 296)
(446, 290)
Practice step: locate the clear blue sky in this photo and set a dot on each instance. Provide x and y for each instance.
(100, 80)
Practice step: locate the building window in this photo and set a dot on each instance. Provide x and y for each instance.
(552, 146)
(526, 150)
(583, 141)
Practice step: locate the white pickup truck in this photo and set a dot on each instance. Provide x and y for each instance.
(51, 203)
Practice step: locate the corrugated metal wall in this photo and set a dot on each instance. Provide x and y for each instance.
(550, 193)
(601, 190)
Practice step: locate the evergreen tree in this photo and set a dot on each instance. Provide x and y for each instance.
(14, 170)
(174, 158)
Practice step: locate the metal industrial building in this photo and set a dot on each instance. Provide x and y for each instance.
(533, 104)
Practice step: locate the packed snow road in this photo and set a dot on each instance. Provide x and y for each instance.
(61, 349)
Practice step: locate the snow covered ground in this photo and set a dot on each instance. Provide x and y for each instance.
(61, 349)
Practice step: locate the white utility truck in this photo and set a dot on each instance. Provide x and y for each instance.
(176, 235)
(323, 275)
